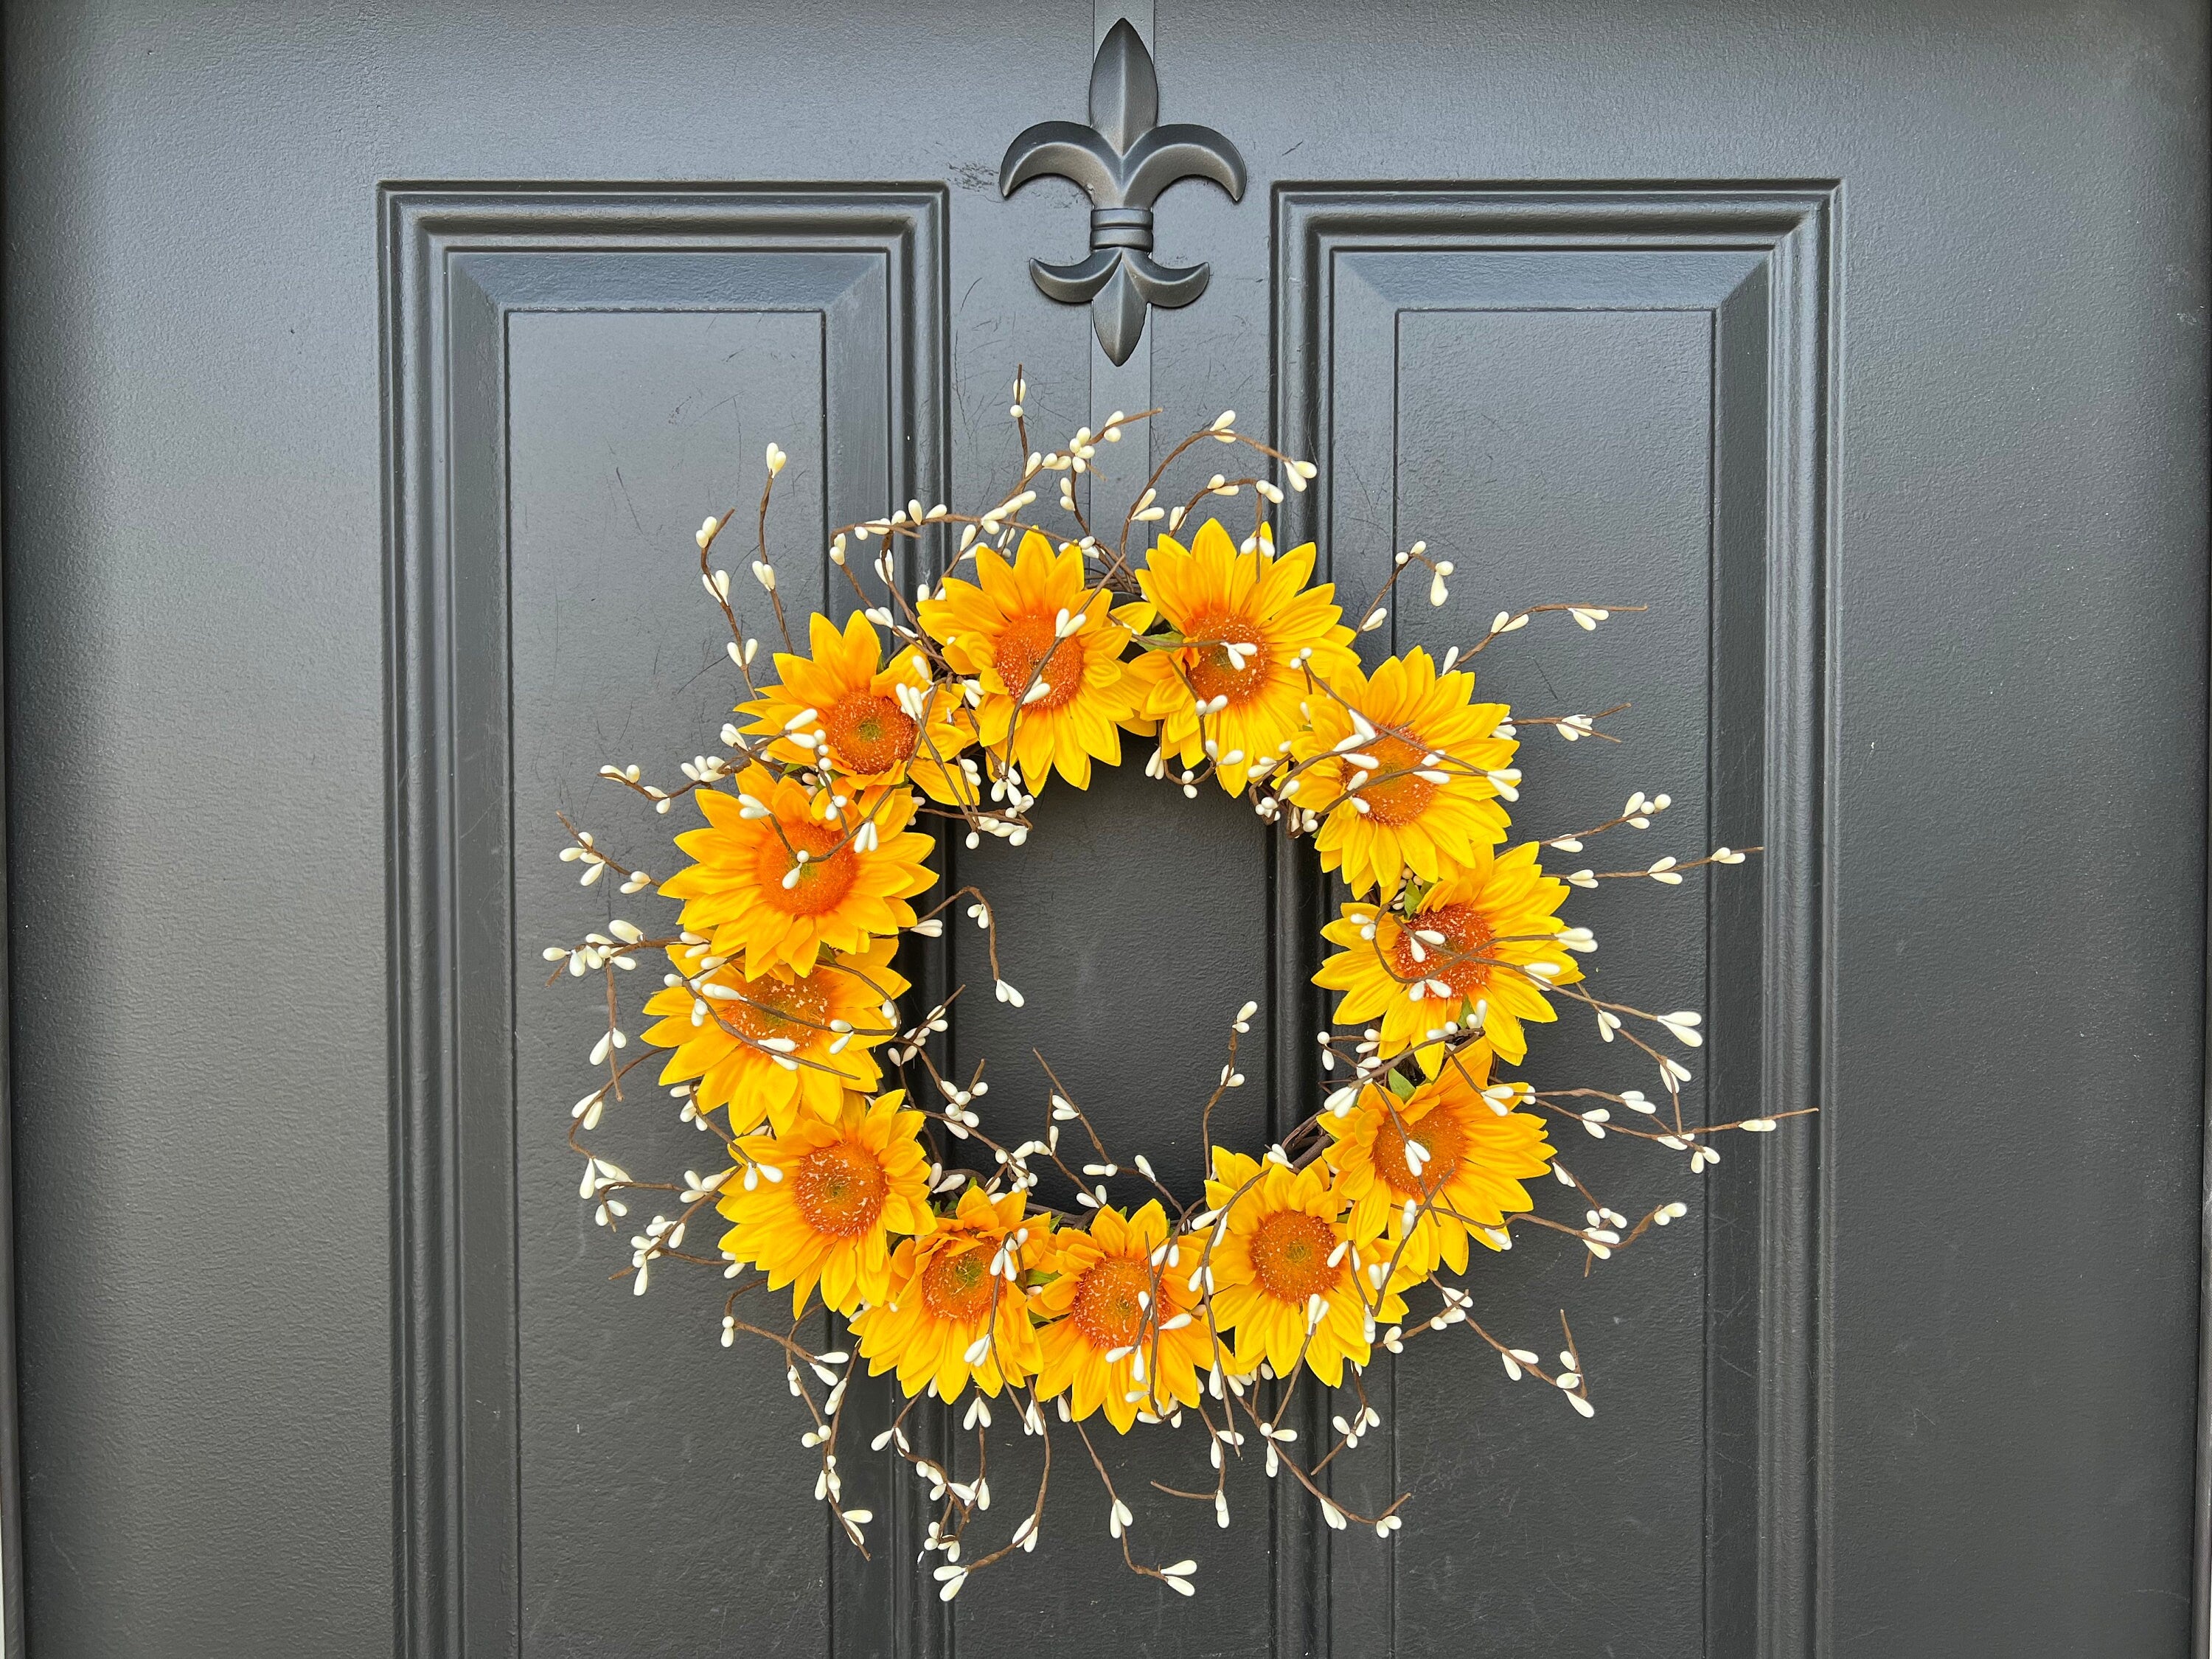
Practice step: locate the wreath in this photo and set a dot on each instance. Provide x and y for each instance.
(789, 1032)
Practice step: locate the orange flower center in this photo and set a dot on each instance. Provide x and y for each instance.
(1460, 962)
(957, 1287)
(1214, 673)
(1026, 647)
(1441, 1139)
(823, 881)
(839, 1188)
(1106, 1309)
(1290, 1254)
(775, 1006)
(868, 732)
(1401, 794)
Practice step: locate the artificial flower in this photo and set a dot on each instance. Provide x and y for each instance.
(1400, 768)
(957, 1307)
(1046, 653)
(783, 872)
(1475, 954)
(840, 707)
(1253, 630)
(764, 1049)
(1444, 1151)
(1126, 1332)
(1290, 1272)
(822, 1201)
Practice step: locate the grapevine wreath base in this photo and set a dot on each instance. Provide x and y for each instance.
(779, 1013)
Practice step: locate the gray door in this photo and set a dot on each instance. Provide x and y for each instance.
(367, 367)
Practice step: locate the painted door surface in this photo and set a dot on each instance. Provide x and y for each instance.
(368, 368)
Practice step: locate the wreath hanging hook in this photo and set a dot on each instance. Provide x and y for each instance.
(1125, 160)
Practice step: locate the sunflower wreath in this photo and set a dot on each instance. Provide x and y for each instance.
(781, 1011)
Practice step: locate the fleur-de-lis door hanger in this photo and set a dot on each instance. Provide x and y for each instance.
(1125, 162)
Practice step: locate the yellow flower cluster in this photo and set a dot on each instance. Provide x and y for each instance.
(785, 994)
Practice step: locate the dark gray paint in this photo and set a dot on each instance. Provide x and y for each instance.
(1946, 615)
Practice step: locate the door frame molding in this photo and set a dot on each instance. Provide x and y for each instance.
(2200, 1573)
(11, 1449)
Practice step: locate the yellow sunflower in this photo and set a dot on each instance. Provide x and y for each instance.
(1287, 1260)
(957, 1307)
(1126, 1332)
(764, 1047)
(1256, 628)
(1399, 767)
(843, 706)
(1477, 950)
(778, 883)
(1052, 700)
(1472, 1165)
(825, 1199)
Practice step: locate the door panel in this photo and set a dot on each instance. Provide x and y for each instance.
(1623, 391)
(573, 374)
(616, 1405)
(1898, 428)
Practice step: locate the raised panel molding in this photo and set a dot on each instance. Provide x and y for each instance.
(1351, 262)
(459, 264)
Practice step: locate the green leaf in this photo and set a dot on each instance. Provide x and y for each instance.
(1401, 1085)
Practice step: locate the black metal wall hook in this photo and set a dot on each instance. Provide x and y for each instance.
(1125, 162)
